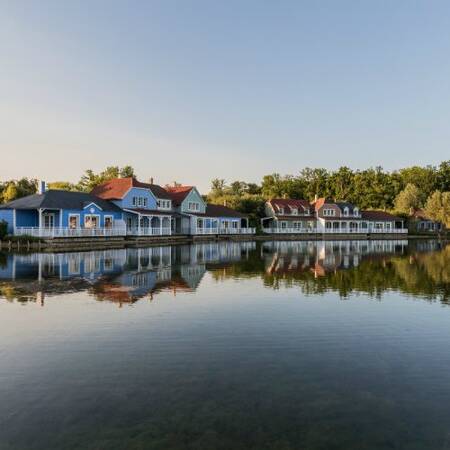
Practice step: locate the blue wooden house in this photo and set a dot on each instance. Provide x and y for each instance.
(147, 207)
(55, 213)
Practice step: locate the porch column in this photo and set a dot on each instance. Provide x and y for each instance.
(40, 221)
(160, 225)
(139, 224)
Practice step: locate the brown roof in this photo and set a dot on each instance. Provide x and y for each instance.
(378, 215)
(219, 211)
(117, 188)
(289, 204)
(178, 193)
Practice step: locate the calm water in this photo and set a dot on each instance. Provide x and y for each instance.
(336, 345)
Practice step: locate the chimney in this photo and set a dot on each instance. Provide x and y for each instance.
(316, 197)
(151, 180)
(42, 187)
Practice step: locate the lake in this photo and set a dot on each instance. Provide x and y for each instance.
(244, 345)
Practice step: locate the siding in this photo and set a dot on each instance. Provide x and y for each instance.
(193, 196)
(127, 201)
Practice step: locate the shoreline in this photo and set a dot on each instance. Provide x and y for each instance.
(85, 244)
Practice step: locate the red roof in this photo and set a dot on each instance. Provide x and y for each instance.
(117, 188)
(178, 193)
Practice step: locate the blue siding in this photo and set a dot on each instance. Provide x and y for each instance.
(8, 216)
(87, 211)
(193, 196)
(127, 201)
(27, 218)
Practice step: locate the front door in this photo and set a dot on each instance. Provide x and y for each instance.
(49, 220)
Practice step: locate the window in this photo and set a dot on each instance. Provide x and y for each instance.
(140, 202)
(164, 204)
(235, 224)
(194, 206)
(108, 222)
(328, 225)
(329, 212)
(294, 211)
(281, 209)
(91, 221)
(346, 211)
(356, 212)
(74, 221)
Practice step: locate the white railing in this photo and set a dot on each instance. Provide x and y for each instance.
(149, 231)
(290, 230)
(206, 231)
(61, 232)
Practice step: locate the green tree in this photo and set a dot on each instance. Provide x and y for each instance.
(408, 199)
(437, 207)
(90, 179)
(10, 193)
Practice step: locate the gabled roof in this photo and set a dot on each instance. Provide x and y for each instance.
(55, 199)
(379, 215)
(117, 188)
(178, 193)
(289, 205)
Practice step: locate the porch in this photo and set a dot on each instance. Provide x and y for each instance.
(217, 226)
(63, 232)
(143, 223)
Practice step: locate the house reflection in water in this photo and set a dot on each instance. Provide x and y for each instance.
(322, 257)
(121, 276)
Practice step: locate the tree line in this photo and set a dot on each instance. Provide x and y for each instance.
(400, 191)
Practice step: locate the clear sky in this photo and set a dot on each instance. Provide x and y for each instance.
(193, 90)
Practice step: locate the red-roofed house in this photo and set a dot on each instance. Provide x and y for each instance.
(327, 216)
(198, 217)
(147, 207)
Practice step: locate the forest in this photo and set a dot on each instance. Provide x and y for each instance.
(399, 191)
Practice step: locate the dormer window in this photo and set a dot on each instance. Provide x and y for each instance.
(329, 212)
(346, 211)
(294, 211)
(356, 212)
(164, 204)
(281, 209)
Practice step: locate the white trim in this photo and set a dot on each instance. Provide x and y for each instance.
(93, 203)
(91, 215)
(110, 216)
(78, 221)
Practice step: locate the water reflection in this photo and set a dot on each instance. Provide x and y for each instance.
(125, 276)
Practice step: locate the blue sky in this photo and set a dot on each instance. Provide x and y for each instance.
(193, 90)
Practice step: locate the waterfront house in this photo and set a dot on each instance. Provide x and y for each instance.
(55, 213)
(147, 207)
(325, 215)
(197, 217)
(420, 222)
(289, 215)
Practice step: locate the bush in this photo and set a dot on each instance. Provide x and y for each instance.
(21, 239)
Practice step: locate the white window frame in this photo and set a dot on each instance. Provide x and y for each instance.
(44, 216)
(77, 217)
(108, 216)
(92, 215)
